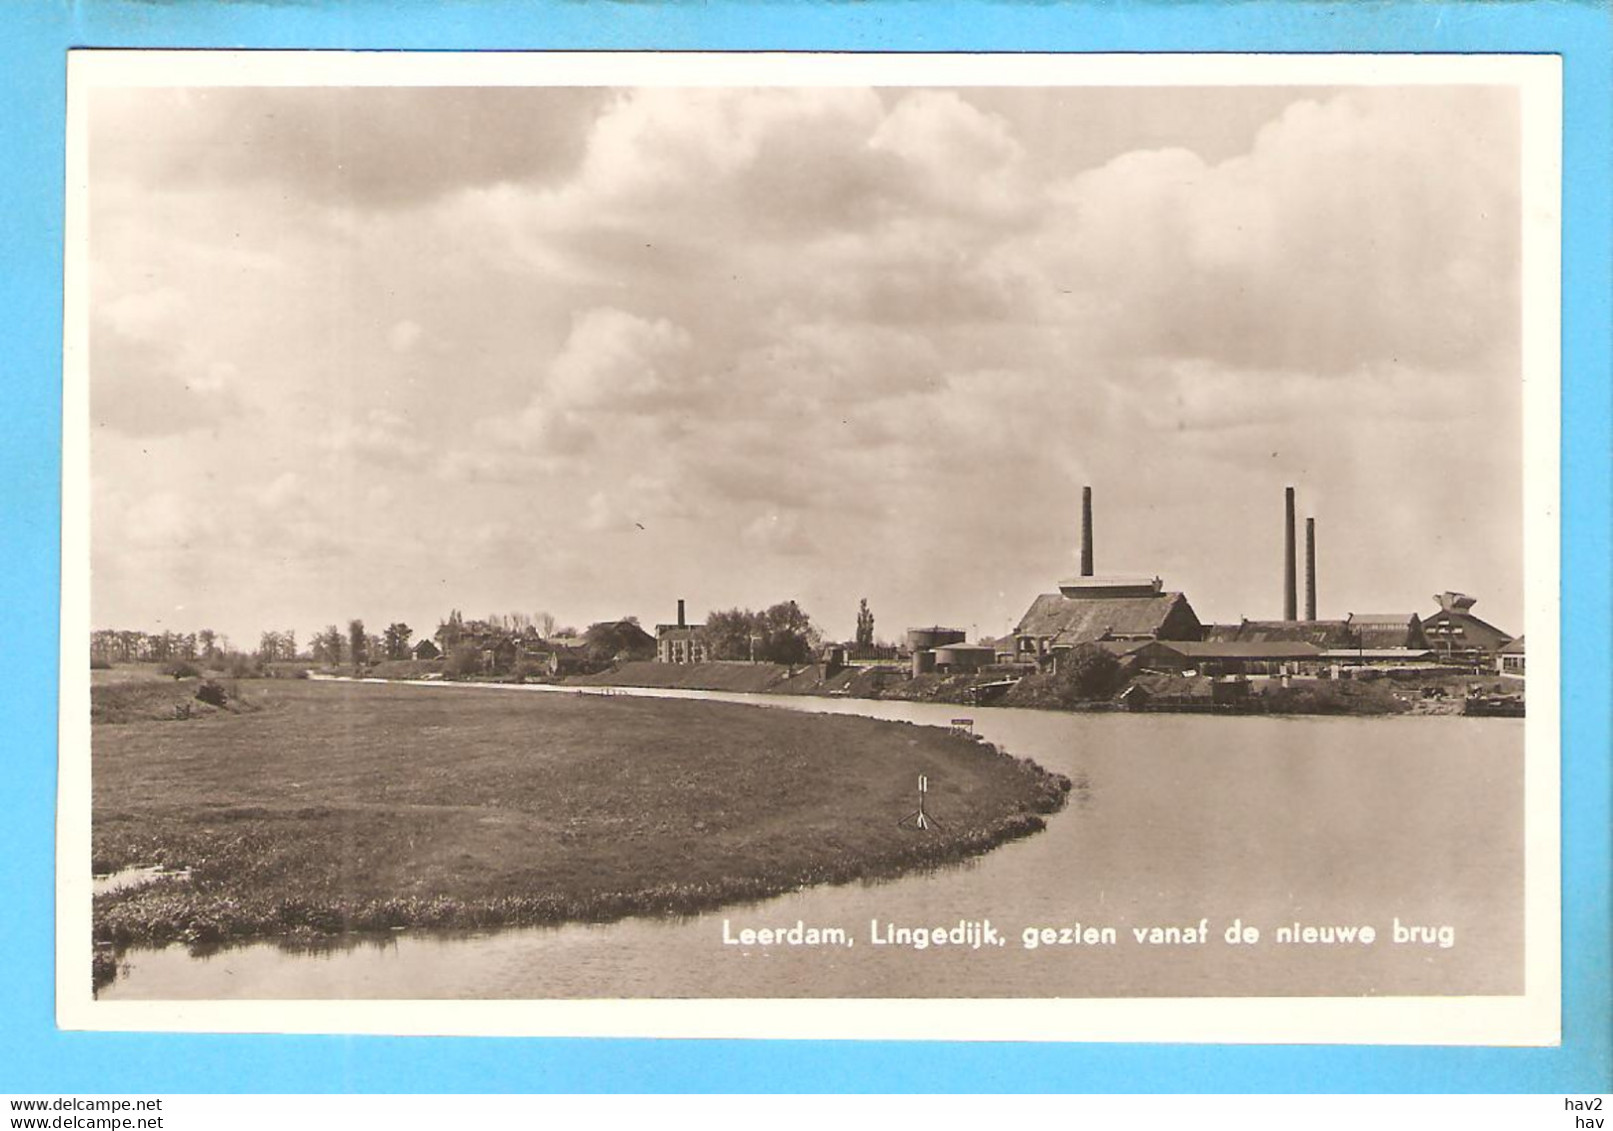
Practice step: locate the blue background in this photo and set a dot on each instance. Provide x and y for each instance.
(36, 1058)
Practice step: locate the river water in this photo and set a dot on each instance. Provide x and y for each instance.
(1174, 819)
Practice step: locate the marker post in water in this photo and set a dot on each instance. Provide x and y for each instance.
(920, 819)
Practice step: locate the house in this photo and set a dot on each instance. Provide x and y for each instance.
(615, 641)
(1456, 634)
(426, 650)
(1509, 660)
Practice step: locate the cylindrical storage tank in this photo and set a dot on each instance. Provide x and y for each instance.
(923, 661)
(933, 637)
(965, 657)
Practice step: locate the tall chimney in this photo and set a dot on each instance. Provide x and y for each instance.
(680, 612)
(1086, 532)
(1310, 569)
(1290, 605)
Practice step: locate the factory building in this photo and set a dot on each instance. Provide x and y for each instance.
(1379, 631)
(681, 643)
(1089, 609)
(1276, 657)
(1318, 633)
(1456, 634)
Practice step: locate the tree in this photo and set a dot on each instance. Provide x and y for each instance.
(1088, 672)
(464, 660)
(789, 637)
(328, 645)
(208, 639)
(357, 643)
(288, 644)
(865, 626)
(544, 623)
(397, 640)
(269, 646)
(103, 646)
(449, 632)
(781, 634)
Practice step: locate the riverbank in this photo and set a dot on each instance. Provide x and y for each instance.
(337, 808)
(1410, 691)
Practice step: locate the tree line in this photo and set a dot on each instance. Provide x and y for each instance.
(782, 633)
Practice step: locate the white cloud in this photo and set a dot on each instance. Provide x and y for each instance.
(382, 437)
(879, 326)
(618, 362)
(777, 534)
(403, 336)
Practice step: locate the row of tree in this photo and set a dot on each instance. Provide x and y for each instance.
(111, 645)
(782, 633)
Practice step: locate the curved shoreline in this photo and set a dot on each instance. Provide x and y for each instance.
(217, 907)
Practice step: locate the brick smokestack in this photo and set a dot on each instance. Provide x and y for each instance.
(680, 612)
(1290, 605)
(1086, 532)
(1310, 569)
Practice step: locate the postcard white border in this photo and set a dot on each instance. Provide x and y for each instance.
(1533, 1018)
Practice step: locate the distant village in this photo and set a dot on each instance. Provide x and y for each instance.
(1139, 625)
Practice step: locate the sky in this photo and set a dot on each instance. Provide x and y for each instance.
(387, 352)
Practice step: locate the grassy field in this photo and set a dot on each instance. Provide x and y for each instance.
(335, 807)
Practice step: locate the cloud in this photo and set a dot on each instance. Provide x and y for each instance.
(144, 384)
(838, 332)
(782, 534)
(382, 437)
(1358, 231)
(346, 147)
(619, 362)
(403, 336)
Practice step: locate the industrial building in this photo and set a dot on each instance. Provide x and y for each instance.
(1089, 609)
(681, 643)
(1455, 634)
(1383, 631)
(1318, 633)
(946, 650)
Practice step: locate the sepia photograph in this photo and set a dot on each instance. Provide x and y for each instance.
(795, 545)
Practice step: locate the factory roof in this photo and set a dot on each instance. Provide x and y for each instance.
(1077, 620)
(1321, 633)
(1387, 630)
(1111, 586)
(1245, 649)
(1377, 654)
